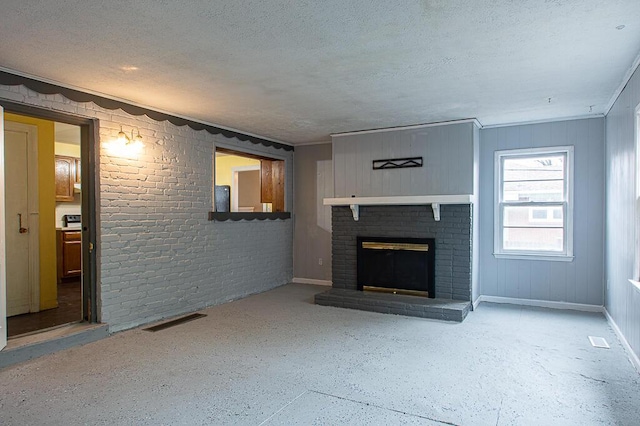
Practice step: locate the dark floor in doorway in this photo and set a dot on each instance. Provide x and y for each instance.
(68, 310)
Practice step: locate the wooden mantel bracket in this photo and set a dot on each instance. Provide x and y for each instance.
(355, 210)
(436, 211)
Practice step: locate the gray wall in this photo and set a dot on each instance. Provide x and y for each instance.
(314, 182)
(580, 281)
(447, 152)
(622, 298)
(159, 256)
(476, 217)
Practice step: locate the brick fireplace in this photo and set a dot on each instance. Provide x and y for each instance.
(397, 265)
(453, 241)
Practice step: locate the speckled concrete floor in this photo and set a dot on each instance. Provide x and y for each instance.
(275, 358)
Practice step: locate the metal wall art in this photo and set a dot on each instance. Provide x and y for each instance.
(397, 163)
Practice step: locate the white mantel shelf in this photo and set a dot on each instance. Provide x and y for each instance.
(406, 200)
(400, 200)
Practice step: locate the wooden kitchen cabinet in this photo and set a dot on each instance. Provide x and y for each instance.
(69, 254)
(266, 187)
(77, 173)
(272, 183)
(65, 177)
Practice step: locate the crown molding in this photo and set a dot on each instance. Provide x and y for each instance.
(411, 127)
(623, 84)
(548, 120)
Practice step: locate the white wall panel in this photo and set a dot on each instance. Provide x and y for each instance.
(622, 298)
(447, 153)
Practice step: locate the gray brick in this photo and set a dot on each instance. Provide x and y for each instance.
(441, 309)
(452, 239)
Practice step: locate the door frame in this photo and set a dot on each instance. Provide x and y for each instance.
(33, 209)
(3, 244)
(90, 160)
(235, 185)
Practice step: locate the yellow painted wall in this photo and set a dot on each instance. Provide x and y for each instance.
(224, 163)
(67, 149)
(47, 199)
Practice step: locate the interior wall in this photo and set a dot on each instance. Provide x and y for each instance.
(67, 149)
(225, 164)
(446, 151)
(622, 298)
(67, 207)
(46, 199)
(476, 216)
(314, 182)
(159, 255)
(249, 189)
(580, 281)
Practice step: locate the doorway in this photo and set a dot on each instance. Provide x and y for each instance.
(49, 256)
(245, 189)
(21, 218)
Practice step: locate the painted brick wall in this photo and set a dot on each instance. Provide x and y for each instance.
(452, 234)
(159, 254)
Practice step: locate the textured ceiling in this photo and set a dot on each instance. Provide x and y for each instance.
(296, 71)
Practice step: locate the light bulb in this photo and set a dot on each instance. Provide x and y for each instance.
(123, 139)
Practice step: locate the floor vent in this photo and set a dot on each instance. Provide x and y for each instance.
(175, 322)
(598, 342)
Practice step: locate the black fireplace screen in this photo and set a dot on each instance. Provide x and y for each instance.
(397, 264)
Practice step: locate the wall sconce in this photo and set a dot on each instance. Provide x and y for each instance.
(125, 146)
(134, 141)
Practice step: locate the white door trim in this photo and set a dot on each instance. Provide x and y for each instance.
(33, 207)
(234, 183)
(3, 262)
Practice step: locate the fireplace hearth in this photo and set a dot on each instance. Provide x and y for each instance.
(449, 274)
(397, 265)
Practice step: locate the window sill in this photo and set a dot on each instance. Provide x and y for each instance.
(235, 216)
(635, 283)
(534, 257)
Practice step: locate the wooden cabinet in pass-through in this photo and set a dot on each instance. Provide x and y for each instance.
(65, 177)
(69, 254)
(77, 171)
(272, 183)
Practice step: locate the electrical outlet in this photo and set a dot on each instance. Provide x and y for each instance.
(320, 261)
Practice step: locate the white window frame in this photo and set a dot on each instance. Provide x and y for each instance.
(499, 252)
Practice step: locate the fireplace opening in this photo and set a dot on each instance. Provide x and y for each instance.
(397, 265)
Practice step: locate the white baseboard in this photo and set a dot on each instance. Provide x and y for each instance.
(311, 281)
(539, 303)
(476, 303)
(635, 361)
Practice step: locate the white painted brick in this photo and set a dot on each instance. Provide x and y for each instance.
(159, 254)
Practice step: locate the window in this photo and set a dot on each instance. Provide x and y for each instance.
(545, 214)
(534, 203)
(247, 183)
